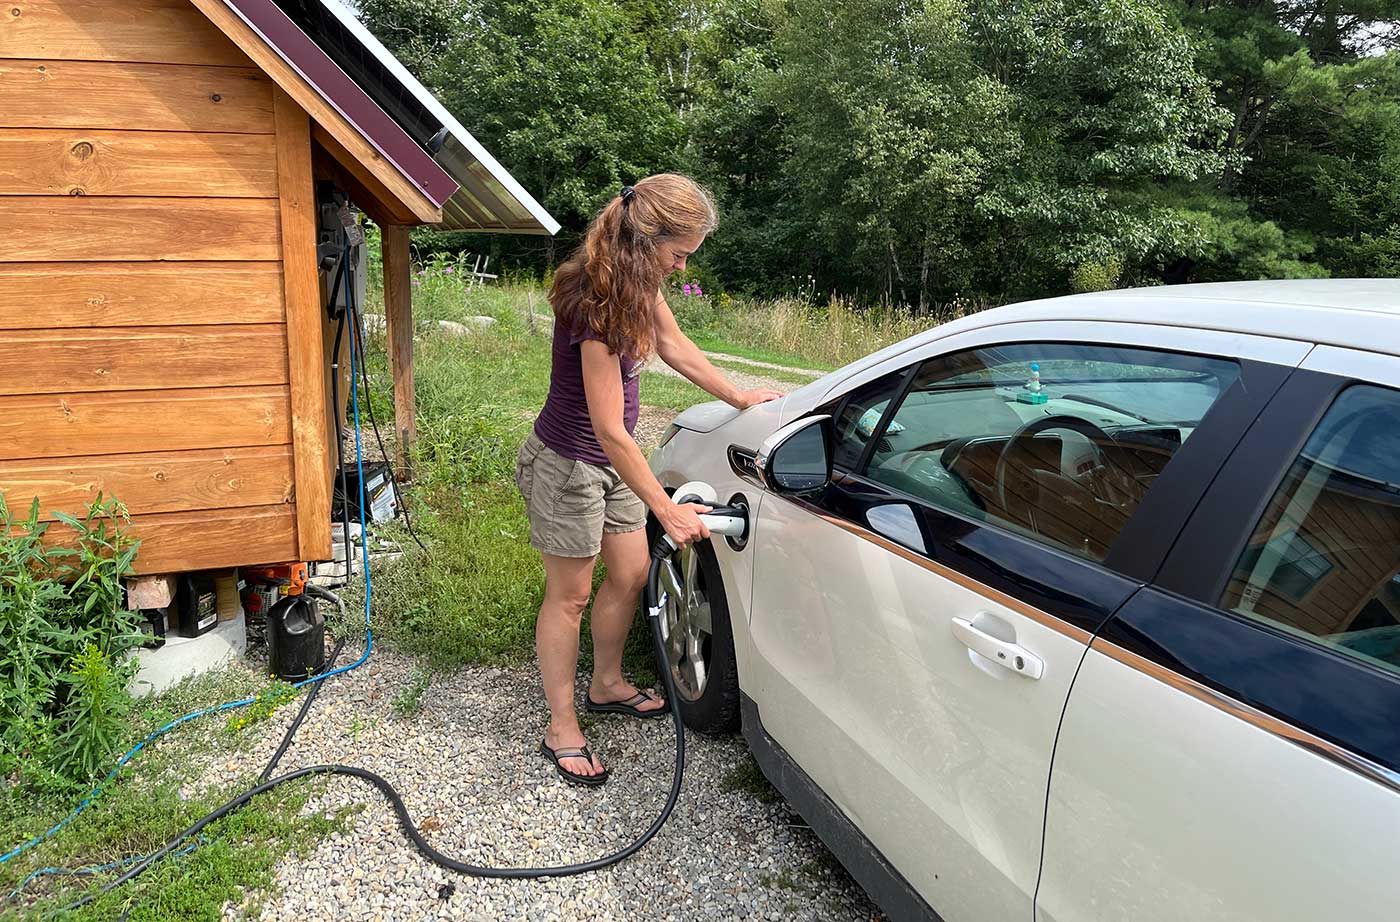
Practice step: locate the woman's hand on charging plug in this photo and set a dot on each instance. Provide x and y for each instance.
(682, 522)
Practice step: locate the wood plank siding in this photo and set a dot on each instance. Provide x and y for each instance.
(49, 93)
(160, 321)
(50, 296)
(158, 481)
(143, 31)
(90, 228)
(71, 161)
(141, 358)
(1352, 536)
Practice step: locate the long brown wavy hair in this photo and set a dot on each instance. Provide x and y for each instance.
(610, 282)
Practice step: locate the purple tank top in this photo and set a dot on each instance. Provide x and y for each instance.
(563, 425)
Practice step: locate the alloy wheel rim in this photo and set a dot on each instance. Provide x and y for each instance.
(686, 624)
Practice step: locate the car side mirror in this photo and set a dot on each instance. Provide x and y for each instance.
(796, 460)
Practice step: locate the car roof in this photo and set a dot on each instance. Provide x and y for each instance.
(1352, 313)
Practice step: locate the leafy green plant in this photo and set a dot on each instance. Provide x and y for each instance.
(409, 700)
(276, 694)
(1097, 275)
(63, 631)
(92, 721)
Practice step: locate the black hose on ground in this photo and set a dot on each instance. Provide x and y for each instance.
(295, 725)
(401, 811)
(661, 552)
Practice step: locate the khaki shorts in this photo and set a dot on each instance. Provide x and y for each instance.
(572, 503)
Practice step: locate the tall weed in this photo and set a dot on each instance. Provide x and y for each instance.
(824, 335)
(63, 631)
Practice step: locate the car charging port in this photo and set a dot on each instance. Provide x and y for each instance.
(738, 542)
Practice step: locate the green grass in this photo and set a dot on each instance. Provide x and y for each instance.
(784, 332)
(747, 778)
(712, 342)
(787, 377)
(144, 807)
(670, 392)
(409, 701)
(798, 333)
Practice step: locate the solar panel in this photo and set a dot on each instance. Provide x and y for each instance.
(327, 31)
(489, 197)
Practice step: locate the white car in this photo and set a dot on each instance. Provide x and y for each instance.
(1080, 609)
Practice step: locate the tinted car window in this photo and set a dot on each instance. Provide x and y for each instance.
(1056, 441)
(1324, 560)
(858, 415)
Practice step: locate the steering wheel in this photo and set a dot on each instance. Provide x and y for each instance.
(1030, 430)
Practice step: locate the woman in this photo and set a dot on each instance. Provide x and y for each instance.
(586, 484)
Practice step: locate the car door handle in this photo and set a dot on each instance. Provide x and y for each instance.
(1008, 655)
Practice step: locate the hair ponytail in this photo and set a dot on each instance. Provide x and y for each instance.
(610, 282)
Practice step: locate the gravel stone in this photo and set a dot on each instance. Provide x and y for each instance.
(467, 767)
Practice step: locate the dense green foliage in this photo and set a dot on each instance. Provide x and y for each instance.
(63, 630)
(922, 151)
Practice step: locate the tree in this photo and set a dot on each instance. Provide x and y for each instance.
(736, 144)
(918, 150)
(558, 90)
(1312, 89)
(1114, 119)
(892, 131)
(938, 148)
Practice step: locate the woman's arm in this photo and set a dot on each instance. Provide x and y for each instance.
(602, 386)
(676, 350)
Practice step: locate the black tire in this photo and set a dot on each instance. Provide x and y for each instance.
(716, 711)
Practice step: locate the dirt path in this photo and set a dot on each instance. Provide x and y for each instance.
(652, 422)
(752, 374)
(808, 372)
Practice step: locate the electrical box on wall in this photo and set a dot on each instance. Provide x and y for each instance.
(338, 223)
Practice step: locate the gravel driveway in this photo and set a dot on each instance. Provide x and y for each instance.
(467, 767)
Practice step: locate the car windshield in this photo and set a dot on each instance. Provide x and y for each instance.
(1137, 393)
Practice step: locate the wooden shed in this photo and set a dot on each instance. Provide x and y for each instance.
(162, 318)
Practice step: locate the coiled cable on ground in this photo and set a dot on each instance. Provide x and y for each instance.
(175, 845)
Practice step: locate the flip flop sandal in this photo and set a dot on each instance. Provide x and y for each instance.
(630, 707)
(554, 755)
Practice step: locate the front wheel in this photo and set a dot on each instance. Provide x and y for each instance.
(698, 638)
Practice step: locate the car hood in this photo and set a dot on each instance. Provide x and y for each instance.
(746, 426)
(706, 417)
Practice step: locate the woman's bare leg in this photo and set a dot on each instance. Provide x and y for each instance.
(568, 582)
(627, 558)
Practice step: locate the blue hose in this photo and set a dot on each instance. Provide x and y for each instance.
(230, 705)
(94, 869)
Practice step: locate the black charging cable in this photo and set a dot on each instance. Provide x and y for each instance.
(651, 598)
(335, 402)
(369, 404)
(661, 552)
